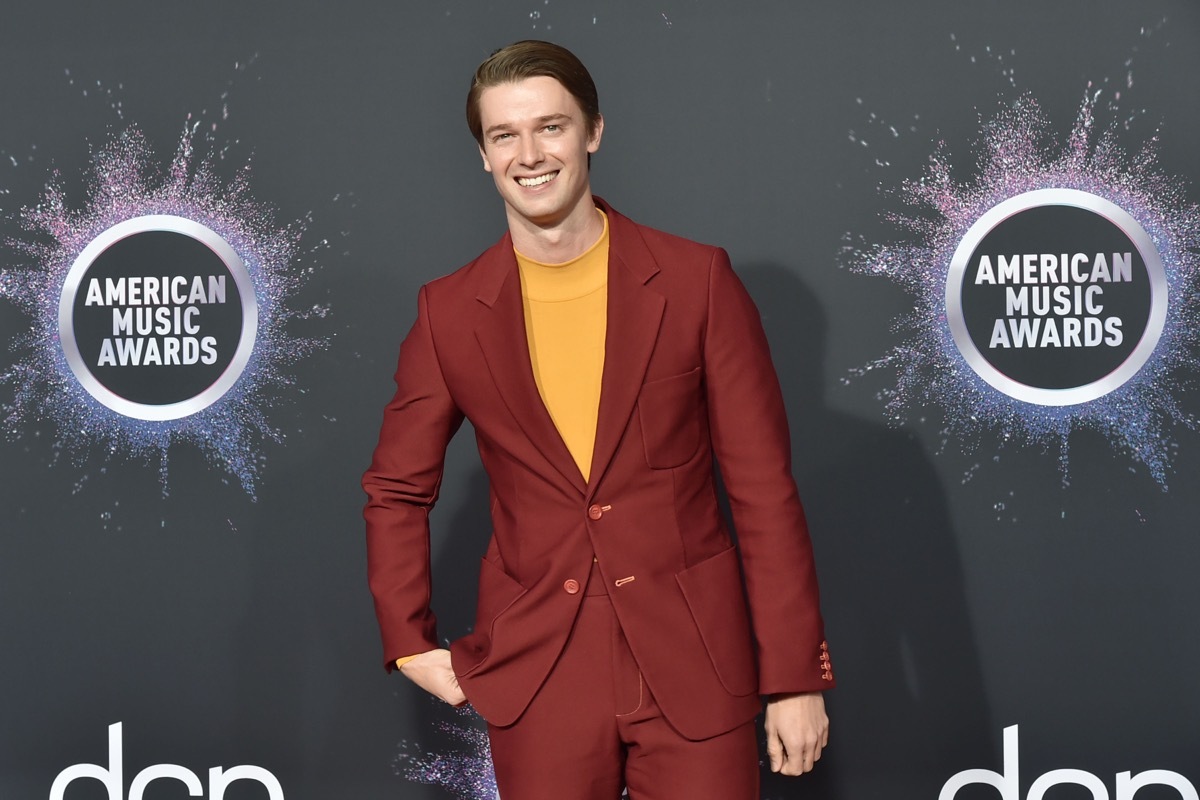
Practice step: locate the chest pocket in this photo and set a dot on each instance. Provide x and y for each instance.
(669, 412)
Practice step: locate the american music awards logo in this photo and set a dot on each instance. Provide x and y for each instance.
(1055, 289)
(1062, 325)
(160, 305)
(157, 347)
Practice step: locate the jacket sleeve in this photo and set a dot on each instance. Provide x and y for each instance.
(402, 486)
(753, 449)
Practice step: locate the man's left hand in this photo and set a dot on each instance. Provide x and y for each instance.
(797, 730)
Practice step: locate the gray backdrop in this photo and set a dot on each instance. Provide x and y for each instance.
(967, 586)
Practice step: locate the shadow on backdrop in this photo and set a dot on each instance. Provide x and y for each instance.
(892, 590)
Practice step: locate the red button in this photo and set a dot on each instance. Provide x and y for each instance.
(571, 586)
(595, 512)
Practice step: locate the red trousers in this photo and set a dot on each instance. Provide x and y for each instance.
(594, 728)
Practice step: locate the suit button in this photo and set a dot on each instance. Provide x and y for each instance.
(571, 586)
(595, 512)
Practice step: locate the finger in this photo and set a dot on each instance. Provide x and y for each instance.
(449, 689)
(450, 694)
(458, 697)
(802, 758)
(775, 753)
(788, 759)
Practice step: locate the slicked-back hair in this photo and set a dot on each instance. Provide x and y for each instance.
(532, 58)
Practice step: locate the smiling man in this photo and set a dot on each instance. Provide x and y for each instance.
(621, 639)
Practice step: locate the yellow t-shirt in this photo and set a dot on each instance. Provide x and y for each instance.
(565, 322)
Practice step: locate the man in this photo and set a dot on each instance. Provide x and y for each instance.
(603, 365)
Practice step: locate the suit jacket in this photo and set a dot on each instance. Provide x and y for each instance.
(687, 375)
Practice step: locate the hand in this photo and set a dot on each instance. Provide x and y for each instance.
(433, 673)
(797, 729)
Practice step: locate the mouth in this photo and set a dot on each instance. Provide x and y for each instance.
(540, 180)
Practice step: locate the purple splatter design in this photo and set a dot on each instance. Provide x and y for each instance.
(1019, 152)
(125, 181)
(467, 774)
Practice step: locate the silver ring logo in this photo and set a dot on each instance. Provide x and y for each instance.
(1076, 394)
(245, 293)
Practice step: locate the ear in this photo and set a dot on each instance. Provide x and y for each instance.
(594, 139)
(487, 165)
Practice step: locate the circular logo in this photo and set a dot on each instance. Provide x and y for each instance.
(1056, 297)
(158, 317)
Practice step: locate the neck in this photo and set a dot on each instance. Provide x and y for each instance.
(560, 241)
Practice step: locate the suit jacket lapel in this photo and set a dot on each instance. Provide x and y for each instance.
(634, 315)
(502, 337)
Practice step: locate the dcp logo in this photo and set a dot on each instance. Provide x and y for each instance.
(1008, 782)
(113, 776)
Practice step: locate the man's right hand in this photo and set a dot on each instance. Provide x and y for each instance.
(433, 673)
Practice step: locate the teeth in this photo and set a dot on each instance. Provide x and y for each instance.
(539, 180)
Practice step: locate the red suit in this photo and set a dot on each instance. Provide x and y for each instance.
(687, 376)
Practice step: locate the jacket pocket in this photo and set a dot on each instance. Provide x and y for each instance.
(714, 594)
(497, 593)
(669, 413)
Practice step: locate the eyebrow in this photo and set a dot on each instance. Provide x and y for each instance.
(549, 118)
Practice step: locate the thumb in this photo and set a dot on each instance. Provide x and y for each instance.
(775, 752)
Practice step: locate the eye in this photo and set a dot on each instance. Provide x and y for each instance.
(552, 128)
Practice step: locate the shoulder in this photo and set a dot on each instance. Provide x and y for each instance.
(480, 278)
(657, 241)
(671, 263)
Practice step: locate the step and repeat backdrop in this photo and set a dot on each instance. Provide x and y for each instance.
(972, 232)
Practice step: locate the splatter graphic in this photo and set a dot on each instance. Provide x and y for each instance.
(126, 181)
(1020, 152)
(468, 774)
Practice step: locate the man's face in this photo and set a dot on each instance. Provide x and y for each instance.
(536, 145)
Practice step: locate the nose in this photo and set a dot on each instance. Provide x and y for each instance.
(531, 151)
